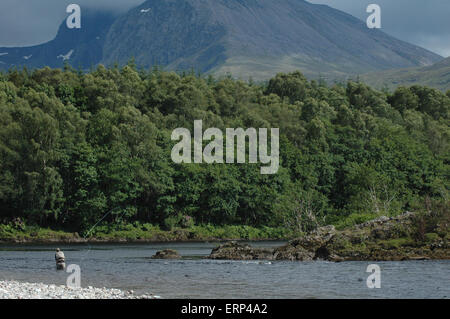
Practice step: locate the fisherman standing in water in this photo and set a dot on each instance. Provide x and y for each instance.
(60, 259)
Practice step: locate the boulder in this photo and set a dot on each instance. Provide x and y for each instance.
(309, 247)
(167, 254)
(288, 252)
(315, 239)
(236, 251)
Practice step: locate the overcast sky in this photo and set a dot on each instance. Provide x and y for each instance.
(422, 22)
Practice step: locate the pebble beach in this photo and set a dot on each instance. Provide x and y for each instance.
(19, 290)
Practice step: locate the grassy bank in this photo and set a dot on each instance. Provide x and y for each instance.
(141, 233)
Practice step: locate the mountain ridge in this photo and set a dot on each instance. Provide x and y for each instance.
(247, 38)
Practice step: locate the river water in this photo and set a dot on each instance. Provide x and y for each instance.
(129, 267)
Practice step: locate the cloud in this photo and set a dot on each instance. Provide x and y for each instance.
(424, 23)
(31, 22)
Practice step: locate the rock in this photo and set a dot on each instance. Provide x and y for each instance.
(292, 253)
(309, 247)
(235, 251)
(387, 239)
(335, 258)
(167, 254)
(417, 258)
(315, 239)
(376, 221)
(384, 238)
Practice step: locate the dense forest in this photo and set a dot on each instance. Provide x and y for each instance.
(81, 148)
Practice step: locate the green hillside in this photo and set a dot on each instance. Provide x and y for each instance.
(436, 76)
(79, 148)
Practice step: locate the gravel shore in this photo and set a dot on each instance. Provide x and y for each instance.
(19, 290)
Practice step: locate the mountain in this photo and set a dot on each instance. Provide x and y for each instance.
(256, 38)
(79, 47)
(436, 75)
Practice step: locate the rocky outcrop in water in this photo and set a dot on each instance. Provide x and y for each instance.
(236, 251)
(308, 247)
(167, 254)
(403, 237)
(385, 238)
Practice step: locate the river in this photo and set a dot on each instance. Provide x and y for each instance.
(129, 267)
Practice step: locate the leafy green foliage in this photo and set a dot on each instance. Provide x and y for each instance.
(80, 149)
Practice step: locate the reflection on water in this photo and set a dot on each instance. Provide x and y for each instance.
(130, 267)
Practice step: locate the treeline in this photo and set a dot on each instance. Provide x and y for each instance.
(78, 147)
